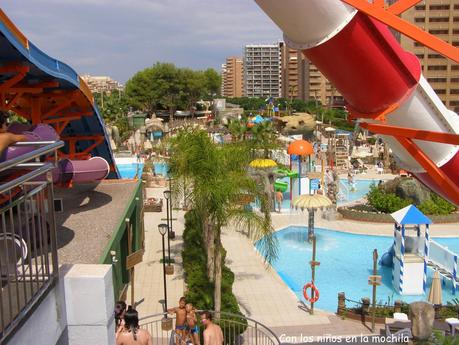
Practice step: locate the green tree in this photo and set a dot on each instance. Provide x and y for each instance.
(219, 181)
(140, 91)
(164, 86)
(212, 83)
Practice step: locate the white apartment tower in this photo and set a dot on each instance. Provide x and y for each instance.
(262, 70)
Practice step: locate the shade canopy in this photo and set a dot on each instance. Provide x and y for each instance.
(311, 201)
(410, 215)
(301, 148)
(435, 290)
(263, 163)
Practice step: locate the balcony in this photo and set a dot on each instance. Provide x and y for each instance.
(28, 254)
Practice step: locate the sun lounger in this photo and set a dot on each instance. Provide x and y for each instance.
(398, 328)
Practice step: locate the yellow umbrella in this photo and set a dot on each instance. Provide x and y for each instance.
(435, 290)
(311, 203)
(314, 201)
(263, 163)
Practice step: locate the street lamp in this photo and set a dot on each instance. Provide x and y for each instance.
(166, 324)
(167, 196)
(171, 232)
(162, 228)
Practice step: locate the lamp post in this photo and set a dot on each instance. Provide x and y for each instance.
(162, 228)
(171, 232)
(169, 267)
(167, 195)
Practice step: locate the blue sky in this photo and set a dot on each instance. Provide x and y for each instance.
(120, 37)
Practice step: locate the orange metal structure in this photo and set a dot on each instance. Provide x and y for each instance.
(405, 136)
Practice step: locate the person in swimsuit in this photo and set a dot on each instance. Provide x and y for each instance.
(120, 310)
(213, 334)
(180, 319)
(192, 323)
(132, 334)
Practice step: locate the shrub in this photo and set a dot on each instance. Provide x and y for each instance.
(436, 205)
(200, 289)
(385, 202)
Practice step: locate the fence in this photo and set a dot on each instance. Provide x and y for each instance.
(28, 249)
(237, 330)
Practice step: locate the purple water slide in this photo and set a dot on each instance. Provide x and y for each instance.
(40, 132)
(93, 169)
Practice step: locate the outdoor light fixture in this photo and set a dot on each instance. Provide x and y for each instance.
(167, 194)
(162, 228)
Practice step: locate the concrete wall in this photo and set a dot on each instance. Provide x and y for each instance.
(78, 311)
(48, 321)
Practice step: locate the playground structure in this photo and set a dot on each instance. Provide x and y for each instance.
(412, 254)
(297, 150)
(350, 43)
(44, 90)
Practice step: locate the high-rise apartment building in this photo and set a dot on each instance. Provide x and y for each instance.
(233, 77)
(440, 18)
(321, 89)
(302, 80)
(262, 70)
(295, 74)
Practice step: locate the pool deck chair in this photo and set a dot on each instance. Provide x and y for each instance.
(398, 328)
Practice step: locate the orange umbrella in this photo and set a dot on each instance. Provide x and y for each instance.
(301, 148)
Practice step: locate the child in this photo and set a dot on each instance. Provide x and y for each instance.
(180, 319)
(192, 323)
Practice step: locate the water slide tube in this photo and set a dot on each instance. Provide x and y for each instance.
(366, 64)
(281, 186)
(93, 169)
(387, 259)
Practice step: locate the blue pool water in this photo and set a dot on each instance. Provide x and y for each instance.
(161, 169)
(130, 170)
(345, 263)
(348, 192)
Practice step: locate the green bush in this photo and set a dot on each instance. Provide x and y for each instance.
(200, 289)
(386, 202)
(436, 205)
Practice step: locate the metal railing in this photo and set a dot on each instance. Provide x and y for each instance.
(28, 245)
(237, 330)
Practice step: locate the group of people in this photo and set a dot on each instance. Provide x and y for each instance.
(128, 331)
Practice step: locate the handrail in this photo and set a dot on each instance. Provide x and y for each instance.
(47, 148)
(26, 177)
(222, 313)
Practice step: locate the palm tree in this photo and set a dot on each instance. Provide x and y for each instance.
(219, 179)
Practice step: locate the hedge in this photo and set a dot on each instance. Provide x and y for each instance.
(200, 290)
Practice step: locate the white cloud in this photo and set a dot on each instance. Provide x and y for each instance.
(119, 37)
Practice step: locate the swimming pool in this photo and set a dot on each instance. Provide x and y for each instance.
(345, 263)
(130, 170)
(348, 193)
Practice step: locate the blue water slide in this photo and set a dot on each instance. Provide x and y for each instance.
(16, 49)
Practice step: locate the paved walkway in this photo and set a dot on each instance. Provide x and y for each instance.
(149, 288)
